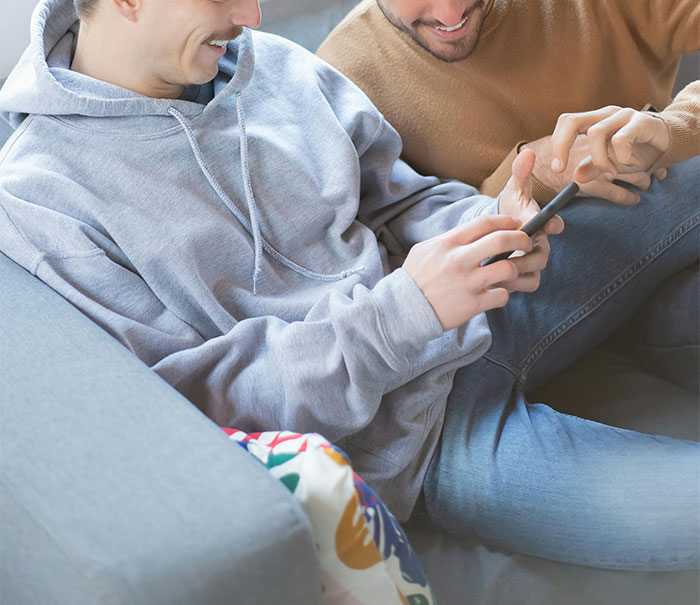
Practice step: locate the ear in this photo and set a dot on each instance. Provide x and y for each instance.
(129, 9)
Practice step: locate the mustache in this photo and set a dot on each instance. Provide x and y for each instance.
(229, 34)
(467, 13)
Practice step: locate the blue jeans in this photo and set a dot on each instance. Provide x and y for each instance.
(663, 336)
(527, 478)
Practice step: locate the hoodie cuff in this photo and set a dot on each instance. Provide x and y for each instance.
(486, 207)
(407, 319)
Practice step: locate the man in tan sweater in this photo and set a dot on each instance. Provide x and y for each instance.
(467, 84)
(464, 101)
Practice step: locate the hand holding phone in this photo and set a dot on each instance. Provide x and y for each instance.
(561, 200)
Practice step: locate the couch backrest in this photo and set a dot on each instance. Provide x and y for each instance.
(306, 22)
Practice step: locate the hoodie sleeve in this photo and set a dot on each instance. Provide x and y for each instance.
(327, 374)
(404, 207)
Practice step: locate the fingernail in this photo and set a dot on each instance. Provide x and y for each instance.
(556, 164)
(609, 175)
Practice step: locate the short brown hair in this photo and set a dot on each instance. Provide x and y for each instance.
(85, 8)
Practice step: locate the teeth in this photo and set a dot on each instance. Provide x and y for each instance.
(219, 42)
(453, 28)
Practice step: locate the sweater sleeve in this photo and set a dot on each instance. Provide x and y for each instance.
(683, 119)
(326, 374)
(670, 27)
(682, 116)
(680, 34)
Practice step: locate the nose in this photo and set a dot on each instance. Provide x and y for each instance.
(247, 13)
(449, 12)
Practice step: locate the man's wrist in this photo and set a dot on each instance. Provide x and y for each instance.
(663, 133)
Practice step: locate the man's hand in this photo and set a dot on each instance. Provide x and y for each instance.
(591, 184)
(516, 201)
(448, 270)
(621, 142)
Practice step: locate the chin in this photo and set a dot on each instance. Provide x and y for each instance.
(450, 53)
(203, 74)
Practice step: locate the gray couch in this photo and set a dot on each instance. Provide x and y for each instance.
(116, 490)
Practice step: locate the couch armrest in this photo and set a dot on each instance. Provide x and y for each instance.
(115, 489)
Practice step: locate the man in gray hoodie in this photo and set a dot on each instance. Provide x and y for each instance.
(235, 212)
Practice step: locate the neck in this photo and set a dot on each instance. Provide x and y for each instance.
(105, 54)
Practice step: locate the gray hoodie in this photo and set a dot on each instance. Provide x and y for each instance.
(245, 247)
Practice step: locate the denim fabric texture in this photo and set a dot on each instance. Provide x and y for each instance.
(663, 336)
(523, 476)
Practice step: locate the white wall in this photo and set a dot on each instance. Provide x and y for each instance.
(14, 32)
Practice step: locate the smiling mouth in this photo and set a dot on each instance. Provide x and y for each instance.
(217, 46)
(454, 28)
(221, 38)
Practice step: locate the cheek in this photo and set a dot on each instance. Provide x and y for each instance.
(412, 14)
(405, 12)
(196, 55)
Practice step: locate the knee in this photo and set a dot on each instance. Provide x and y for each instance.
(682, 184)
(467, 500)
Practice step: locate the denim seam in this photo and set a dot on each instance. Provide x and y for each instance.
(602, 296)
(505, 366)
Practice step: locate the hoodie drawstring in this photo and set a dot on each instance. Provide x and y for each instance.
(252, 226)
(248, 187)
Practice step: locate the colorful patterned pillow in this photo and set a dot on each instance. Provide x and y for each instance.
(364, 554)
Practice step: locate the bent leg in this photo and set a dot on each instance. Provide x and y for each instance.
(535, 481)
(602, 268)
(663, 337)
(557, 486)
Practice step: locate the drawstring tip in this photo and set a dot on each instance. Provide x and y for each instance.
(256, 276)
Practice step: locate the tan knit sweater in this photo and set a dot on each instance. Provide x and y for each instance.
(535, 60)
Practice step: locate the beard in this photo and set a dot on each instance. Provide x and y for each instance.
(444, 50)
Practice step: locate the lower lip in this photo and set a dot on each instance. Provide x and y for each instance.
(453, 35)
(219, 50)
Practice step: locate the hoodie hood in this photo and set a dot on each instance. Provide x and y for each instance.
(43, 84)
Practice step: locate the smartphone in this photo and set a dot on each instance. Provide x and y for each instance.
(538, 221)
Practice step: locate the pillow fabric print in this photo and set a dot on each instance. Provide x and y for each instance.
(365, 557)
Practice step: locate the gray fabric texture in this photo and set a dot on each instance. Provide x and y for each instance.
(115, 489)
(307, 22)
(296, 317)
